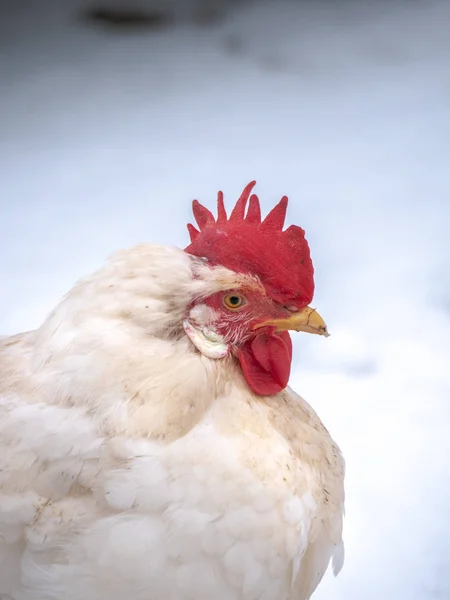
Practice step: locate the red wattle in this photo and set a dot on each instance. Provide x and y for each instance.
(266, 362)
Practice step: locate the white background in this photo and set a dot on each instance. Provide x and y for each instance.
(105, 137)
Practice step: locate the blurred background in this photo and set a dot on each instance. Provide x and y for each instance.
(115, 114)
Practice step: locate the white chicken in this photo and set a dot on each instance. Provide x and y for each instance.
(150, 446)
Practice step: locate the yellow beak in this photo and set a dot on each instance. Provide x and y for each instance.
(307, 319)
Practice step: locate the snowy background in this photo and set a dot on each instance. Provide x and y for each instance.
(107, 133)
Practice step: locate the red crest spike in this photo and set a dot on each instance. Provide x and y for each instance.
(221, 212)
(243, 244)
(238, 211)
(193, 233)
(275, 219)
(202, 215)
(254, 210)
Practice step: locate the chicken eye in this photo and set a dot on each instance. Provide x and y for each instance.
(234, 301)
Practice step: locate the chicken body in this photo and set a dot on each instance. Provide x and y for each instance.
(133, 466)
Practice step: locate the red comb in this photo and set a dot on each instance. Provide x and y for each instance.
(244, 243)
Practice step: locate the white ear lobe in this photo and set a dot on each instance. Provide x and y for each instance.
(208, 342)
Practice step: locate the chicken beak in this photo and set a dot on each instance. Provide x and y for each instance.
(307, 319)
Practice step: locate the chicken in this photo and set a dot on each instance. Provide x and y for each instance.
(150, 446)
